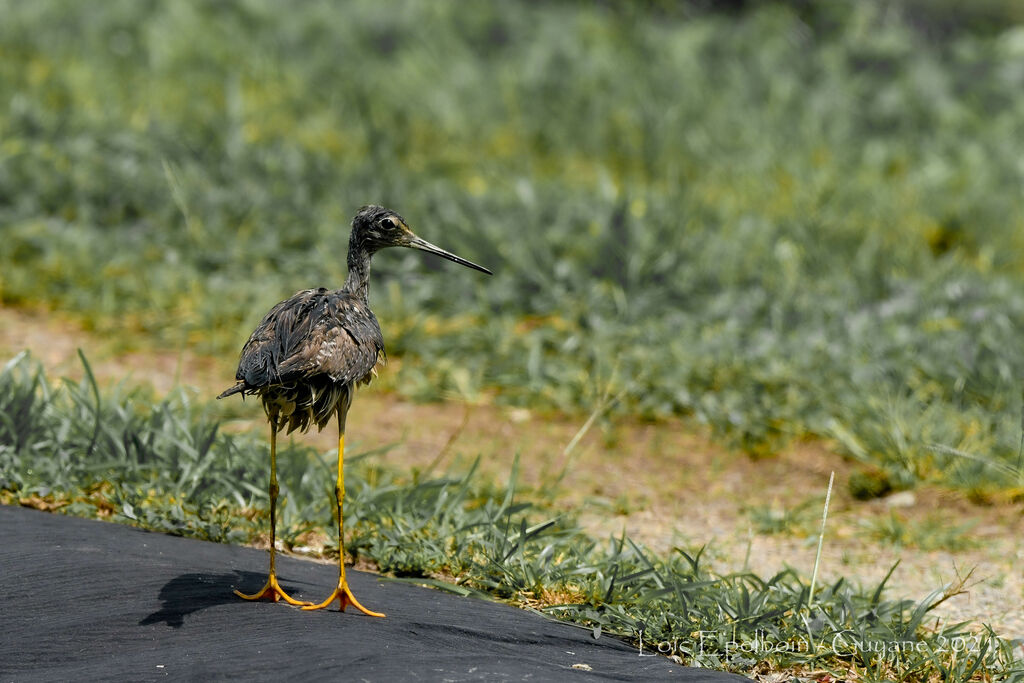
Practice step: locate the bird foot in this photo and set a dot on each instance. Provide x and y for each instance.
(344, 596)
(272, 591)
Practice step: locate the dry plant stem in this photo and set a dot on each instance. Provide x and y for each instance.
(450, 442)
(958, 588)
(821, 539)
(603, 406)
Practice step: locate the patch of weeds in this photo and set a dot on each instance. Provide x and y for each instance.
(776, 518)
(934, 532)
(869, 483)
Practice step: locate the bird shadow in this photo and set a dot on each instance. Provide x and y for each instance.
(192, 592)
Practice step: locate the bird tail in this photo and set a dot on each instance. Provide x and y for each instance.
(238, 388)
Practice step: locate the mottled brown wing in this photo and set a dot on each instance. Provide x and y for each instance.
(344, 350)
(315, 332)
(274, 340)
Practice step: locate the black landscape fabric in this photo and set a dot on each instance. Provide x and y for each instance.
(89, 600)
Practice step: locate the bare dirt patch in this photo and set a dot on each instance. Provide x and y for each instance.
(666, 484)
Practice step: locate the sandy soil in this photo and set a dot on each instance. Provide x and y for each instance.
(666, 484)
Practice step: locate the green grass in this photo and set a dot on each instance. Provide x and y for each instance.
(164, 465)
(780, 223)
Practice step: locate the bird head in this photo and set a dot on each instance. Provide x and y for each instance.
(375, 228)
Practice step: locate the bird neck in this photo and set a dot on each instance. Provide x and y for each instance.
(358, 281)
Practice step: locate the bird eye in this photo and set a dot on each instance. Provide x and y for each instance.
(388, 223)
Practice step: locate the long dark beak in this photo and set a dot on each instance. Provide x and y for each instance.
(423, 245)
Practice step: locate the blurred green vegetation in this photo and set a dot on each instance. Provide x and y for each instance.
(779, 221)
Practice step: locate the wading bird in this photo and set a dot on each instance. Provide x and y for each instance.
(306, 357)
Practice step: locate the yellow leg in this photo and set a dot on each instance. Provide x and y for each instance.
(342, 593)
(272, 589)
